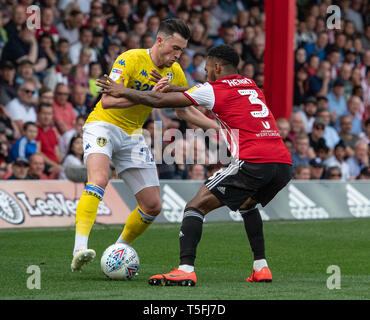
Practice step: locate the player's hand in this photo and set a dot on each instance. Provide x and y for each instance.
(155, 76)
(110, 87)
(162, 85)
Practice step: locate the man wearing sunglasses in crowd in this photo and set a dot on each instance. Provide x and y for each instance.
(20, 109)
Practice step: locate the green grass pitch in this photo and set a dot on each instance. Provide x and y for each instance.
(298, 252)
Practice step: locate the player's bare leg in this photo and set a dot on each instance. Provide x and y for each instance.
(87, 208)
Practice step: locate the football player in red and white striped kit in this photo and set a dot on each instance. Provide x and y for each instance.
(261, 164)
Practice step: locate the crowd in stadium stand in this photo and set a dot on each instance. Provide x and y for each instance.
(47, 79)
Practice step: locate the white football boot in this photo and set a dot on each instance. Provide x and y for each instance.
(82, 257)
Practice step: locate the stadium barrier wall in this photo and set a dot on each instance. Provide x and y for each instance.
(53, 203)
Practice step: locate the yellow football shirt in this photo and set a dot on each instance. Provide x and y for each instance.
(134, 66)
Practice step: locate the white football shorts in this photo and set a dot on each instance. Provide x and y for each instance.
(125, 151)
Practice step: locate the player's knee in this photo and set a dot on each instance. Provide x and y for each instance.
(100, 181)
(152, 208)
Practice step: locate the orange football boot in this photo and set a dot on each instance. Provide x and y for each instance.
(264, 275)
(175, 277)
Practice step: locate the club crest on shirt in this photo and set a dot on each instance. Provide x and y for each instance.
(101, 141)
(169, 75)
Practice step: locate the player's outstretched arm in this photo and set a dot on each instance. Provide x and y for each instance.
(110, 102)
(197, 118)
(162, 84)
(149, 98)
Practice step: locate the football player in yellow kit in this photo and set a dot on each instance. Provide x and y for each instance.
(115, 135)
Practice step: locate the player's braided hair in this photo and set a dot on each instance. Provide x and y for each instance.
(225, 53)
(171, 26)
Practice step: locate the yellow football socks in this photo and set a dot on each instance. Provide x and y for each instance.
(136, 224)
(86, 212)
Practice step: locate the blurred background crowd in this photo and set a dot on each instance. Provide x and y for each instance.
(47, 80)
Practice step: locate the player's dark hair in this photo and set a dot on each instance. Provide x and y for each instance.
(171, 26)
(225, 53)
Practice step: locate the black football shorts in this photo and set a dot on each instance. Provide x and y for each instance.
(241, 180)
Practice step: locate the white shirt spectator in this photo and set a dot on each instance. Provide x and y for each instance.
(18, 111)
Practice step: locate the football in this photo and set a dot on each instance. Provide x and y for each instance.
(120, 262)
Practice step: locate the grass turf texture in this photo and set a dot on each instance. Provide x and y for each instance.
(298, 252)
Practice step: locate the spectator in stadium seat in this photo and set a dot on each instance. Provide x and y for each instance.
(17, 19)
(85, 41)
(47, 25)
(20, 109)
(46, 95)
(78, 100)
(59, 73)
(364, 174)
(95, 72)
(110, 31)
(65, 139)
(349, 139)
(296, 126)
(316, 136)
(80, 72)
(64, 114)
(8, 128)
(319, 46)
(330, 136)
(366, 136)
(333, 57)
(344, 74)
(301, 79)
(365, 38)
(36, 168)
(354, 113)
(257, 51)
(359, 160)
(337, 100)
(337, 160)
(74, 156)
(8, 90)
(25, 73)
(26, 145)
(283, 127)
(62, 48)
(73, 20)
(302, 172)
(19, 169)
(313, 64)
(308, 113)
(316, 168)
(319, 83)
(48, 141)
(47, 46)
(301, 154)
(24, 46)
(333, 173)
(196, 172)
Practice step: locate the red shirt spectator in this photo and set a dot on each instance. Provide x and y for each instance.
(64, 115)
(48, 140)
